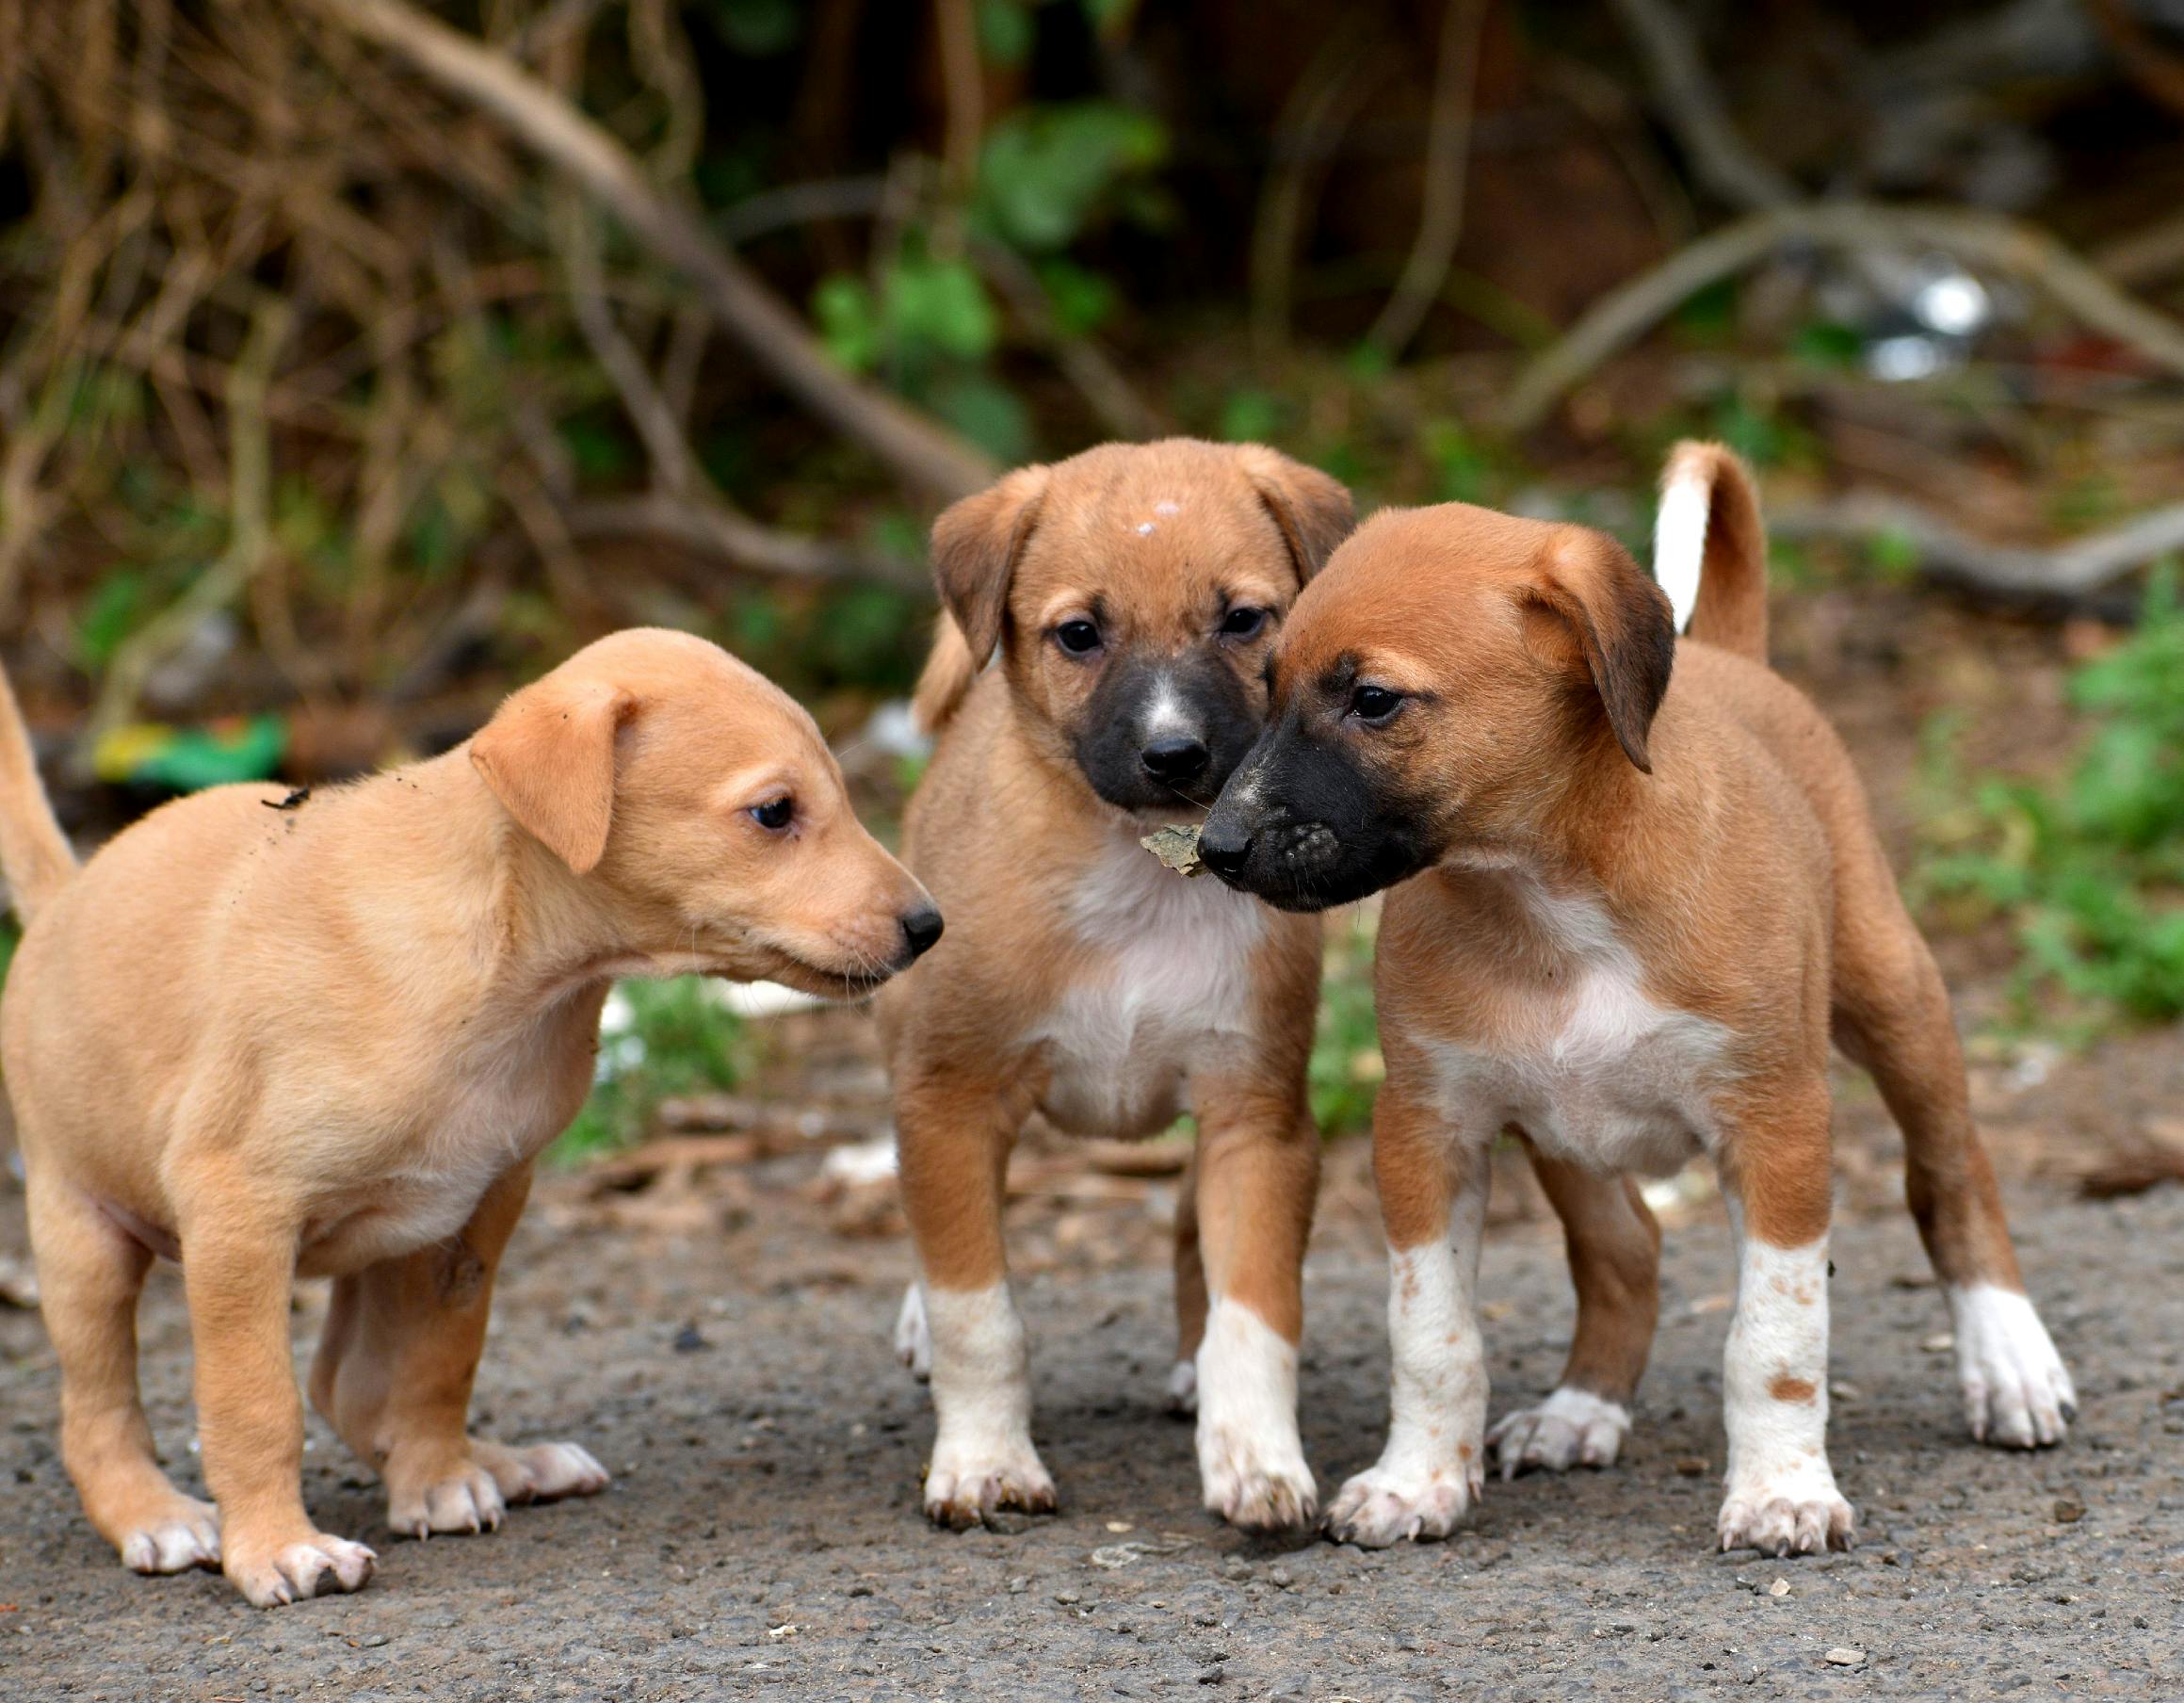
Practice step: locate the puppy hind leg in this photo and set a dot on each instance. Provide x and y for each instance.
(1893, 1016)
(1615, 1251)
(1258, 1174)
(90, 1273)
(394, 1375)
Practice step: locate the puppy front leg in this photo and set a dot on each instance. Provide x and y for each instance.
(1782, 1497)
(238, 1270)
(393, 1374)
(1257, 1174)
(1433, 1195)
(952, 1147)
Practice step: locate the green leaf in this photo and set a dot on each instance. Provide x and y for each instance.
(849, 321)
(756, 28)
(1006, 29)
(1046, 171)
(988, 412)
(1251, 417)
(938, 305)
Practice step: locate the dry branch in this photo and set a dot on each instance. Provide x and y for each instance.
(920, 450)
(2005, 245)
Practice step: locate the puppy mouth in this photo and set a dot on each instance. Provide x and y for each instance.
(845, 987)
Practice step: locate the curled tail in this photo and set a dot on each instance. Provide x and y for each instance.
(949, 673)
(1709, 549)
(34, 852)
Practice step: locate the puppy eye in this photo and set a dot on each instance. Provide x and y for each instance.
(1374, 704)
(775, 814)
(1079, 638)
(1242, 623)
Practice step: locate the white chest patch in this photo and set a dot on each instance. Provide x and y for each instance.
(1171, 987)
(1583, 1061)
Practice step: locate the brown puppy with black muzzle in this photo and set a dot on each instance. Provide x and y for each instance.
(325, 1035)
(1634, 908)
(1126, 597)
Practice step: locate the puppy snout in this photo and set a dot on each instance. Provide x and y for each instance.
(1225, 851)
(921, 929)
(1175, 758)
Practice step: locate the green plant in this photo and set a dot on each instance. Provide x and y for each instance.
(1346, 1069)
(2088, 869)
(656, 1040)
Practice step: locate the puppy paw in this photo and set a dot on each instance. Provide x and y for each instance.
(1183, 1387)
(279, 1573)
(181, 1533)
(1387, 1505)
(2017, 1393)
(464, 1497)
(1798, 1513)
(1571, 1428)
(965, 1488)
(542, 1472)
(912, 1338)
(1258, 1483)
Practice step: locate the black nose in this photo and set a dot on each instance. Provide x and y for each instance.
(921, 928)
(1224, 855)
(1173, 759)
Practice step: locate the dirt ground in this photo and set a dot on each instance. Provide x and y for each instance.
(763, 1535)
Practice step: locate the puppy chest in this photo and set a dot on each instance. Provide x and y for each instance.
(1597, 1073)
(1166, 992)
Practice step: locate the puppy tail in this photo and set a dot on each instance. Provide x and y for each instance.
(1709, 549)
(34, 852)
(949, 673)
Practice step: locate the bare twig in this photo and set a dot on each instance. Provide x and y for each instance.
(1693, 109)
(714, 530)
(2007, 245)
(1945, 554)
(920, 450)
(1447, 164)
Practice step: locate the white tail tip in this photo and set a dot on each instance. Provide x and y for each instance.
(1680, 539)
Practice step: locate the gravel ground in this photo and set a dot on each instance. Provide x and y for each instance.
(763, 1536)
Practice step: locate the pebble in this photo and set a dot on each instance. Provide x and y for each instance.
(1844, 1656)
(2068, 1511)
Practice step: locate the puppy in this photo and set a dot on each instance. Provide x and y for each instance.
(273, 1037)
(1126, 598)
(1635, 906)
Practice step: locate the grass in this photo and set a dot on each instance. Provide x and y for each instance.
(1347, 1068)
(658, 1040)
(2087, 869)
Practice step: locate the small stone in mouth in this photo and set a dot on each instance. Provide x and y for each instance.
(1176, 847)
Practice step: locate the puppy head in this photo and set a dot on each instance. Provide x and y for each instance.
(700, 809)
(1132, 593)
(1442, 683)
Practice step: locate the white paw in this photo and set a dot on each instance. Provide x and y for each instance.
(2016, 1394)
(966, 1487)
(468, 1500)
(1571, 1428)
(1797, 1511)
(1258, 1482)
(1387, 1505)
(296, 1572)
(1183, 1387)
(187, 1535)
(913, 1341)
(542, 1472)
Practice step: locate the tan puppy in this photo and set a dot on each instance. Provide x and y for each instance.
(1642, 907)
(277, 1036)
(1128, 596)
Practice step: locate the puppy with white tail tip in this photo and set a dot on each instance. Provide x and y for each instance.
(1635, 896)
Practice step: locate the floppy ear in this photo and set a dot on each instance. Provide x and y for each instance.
(548, 755)
(976, 543)
(1313, 511)
(1621, 620)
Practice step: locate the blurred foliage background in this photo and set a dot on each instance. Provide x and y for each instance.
(359, 358)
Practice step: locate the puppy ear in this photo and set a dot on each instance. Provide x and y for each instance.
(1313, 511)
(548, 755)
(975, 545)
(1621, 620)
